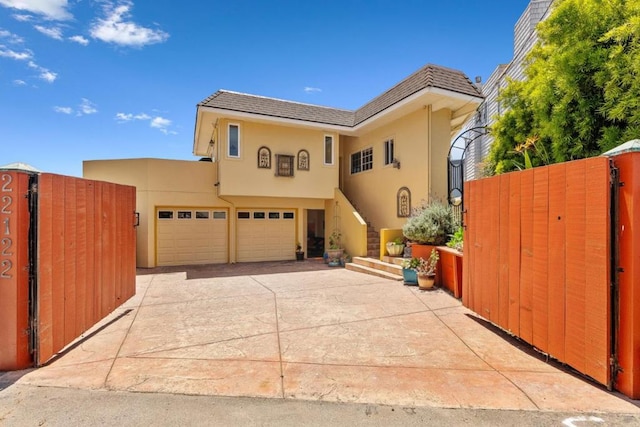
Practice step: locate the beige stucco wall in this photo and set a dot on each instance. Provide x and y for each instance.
(374, 191)
(440, 143)
(185, 184)
(242, 177)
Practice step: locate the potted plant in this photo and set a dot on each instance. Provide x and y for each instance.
(429, 225)
(456, 241)
(334, 253)
(299, 252)
(409, 270)
(427, 270)
(395, 247)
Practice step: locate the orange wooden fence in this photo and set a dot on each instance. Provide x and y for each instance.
(86, 256)
(82, 261)
(537, 259)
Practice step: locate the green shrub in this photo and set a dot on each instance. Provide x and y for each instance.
(456, 240)
(430, 224)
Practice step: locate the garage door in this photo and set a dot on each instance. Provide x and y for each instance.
(191, 236)
(266, 235)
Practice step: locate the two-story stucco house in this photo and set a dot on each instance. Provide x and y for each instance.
(284, 172)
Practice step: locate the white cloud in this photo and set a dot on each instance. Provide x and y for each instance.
(19, 82)
(55, 10)
(12, 54)
(22, 18)
(86, 107)
(157, 122)
(309, 89)
(80, 40)
(10, 37)
(63, 110)
(53, 32)
(116, 27)
(45, 74)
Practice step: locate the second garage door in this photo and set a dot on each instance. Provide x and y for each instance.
(266, 234)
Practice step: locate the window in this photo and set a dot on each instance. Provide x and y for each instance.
(219, 215)
(287, 215)
(202, 215)
(184, 214)
(284, 165)
(258, 215)
(244, 215)
(165, 214)
(362, 160)
(328, 150)
(388, 152)
(234, 141)
(274, 215)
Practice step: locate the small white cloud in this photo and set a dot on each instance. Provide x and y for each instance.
(45, 74)
(116, 27)
(53, 32)
(63, 110)
(19, 82)
(55, 10)
(10, 37)
(122, 117)
(80, 40)
(86, 107)
(160, 122)
(12, 54)
(309, 89)
(22, 18)
(142, 116)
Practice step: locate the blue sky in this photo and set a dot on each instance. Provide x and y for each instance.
(104, 79)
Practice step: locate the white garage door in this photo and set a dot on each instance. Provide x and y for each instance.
(266, 234)
(191, 236)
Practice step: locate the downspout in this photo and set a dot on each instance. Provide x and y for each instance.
(429, 160)
(231, 231)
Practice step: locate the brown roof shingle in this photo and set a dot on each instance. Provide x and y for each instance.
(429, 76)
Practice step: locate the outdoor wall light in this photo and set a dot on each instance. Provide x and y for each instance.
(396, 163)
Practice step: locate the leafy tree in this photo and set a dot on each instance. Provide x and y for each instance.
(581, 95)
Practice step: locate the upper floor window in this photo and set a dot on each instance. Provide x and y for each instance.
(234, 141)
(328, 150)
(388, 152)
(362, 160)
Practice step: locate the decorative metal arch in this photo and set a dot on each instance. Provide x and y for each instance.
(264, 158)
(455, 166)
(303, 160)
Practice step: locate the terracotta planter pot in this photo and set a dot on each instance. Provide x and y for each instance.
(426, 282)
(424, 251)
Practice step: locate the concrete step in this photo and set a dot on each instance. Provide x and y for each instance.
(397, 260)
(378, 265)
(372, 271)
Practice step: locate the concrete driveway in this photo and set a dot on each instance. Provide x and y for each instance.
(328, 335)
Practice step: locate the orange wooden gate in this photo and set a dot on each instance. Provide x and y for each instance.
(67, 259)
(537, 259)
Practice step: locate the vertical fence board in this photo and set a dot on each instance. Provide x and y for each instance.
(481, 267)
(493, 200)
(45, 259)
(468, 239)
(503, 254)
(97, 254)
(540, 257)
(515, 212)
(575, 266)
(57, 264)
(91, 315)
(69, 212)
(526, 255)
(557, 223)
(81, 257)
(597, 298)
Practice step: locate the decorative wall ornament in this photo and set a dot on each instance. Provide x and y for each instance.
(303, 160)
(404, 202)
(264, 158)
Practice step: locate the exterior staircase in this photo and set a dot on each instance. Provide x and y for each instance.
(375, 267)
(373, 242)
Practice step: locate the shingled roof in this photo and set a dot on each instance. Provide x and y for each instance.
(430, 76)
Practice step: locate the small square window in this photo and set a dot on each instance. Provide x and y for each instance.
(220, 215)
(165, 214)
(284, 165)
(202, 214)
(258, 215)
(184, 214)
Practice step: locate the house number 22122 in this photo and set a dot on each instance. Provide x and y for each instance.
(6, 242)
